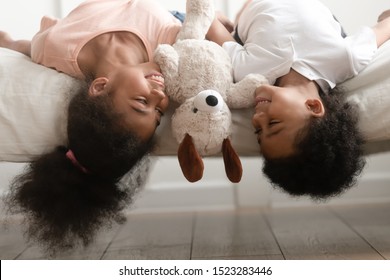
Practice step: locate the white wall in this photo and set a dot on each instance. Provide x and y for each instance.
(22, 17)
(352, 14)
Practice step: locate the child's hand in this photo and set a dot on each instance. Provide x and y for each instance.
(384, 15)
(382, 28)
(5, 40)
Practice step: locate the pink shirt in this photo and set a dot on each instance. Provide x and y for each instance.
(59, 41)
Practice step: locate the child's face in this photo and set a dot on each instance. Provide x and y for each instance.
(139, 95)
(281, 112)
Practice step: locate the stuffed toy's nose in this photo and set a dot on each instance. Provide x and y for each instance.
(209, 101)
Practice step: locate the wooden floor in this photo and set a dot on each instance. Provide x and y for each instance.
(320, 232)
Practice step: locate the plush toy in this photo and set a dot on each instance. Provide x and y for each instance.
(198, 75)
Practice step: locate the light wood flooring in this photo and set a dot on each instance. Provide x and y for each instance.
(316, 232)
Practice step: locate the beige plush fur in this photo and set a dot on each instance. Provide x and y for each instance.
(198, 75)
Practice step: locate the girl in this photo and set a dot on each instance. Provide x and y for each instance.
(69, 193)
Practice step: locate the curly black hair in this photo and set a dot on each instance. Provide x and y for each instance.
(65, 207)
(329, 153)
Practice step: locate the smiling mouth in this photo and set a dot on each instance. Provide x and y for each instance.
(262, 100)
(157, 78)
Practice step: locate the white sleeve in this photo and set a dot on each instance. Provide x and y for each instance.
(242, 60)
(362, 48)
(257, 59)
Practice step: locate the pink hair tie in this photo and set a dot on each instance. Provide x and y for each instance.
(70, 155)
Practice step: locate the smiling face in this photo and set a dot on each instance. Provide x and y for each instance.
(138, 94)
(280, 114)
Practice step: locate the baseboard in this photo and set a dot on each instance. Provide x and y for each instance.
(167, 189)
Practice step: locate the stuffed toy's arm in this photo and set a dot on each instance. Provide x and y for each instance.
(242, 94)
(168, 60)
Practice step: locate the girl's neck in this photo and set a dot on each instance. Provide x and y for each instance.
(103, 54)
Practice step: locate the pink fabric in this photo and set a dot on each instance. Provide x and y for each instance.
(53, 46)
(70, 155)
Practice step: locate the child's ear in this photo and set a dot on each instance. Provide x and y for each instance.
(98, 86)
(316, 107)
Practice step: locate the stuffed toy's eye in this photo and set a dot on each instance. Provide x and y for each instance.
(195, 110)
(209, 101)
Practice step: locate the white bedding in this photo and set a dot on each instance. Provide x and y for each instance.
(33, 101)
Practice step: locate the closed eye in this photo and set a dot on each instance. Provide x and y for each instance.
(258, 131)
(160, 115)
(270, 124)
(160, 112)
(142, 101)
(273, 122)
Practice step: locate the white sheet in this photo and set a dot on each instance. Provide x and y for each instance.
(371, 91)
(33, 101)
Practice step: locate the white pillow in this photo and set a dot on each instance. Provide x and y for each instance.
(33, 103)
(371, 92)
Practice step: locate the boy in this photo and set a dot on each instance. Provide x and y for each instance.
(308, 134)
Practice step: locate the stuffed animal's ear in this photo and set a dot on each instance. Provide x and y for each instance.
(190, 161)
(232, 162)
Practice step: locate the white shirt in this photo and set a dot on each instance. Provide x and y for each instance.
(298, 34)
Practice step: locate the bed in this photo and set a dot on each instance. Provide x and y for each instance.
(33, 101)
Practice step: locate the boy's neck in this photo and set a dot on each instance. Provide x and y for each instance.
(294, 79)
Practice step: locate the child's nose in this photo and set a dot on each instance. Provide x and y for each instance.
(158, 94)
(161, 98)
(264, 88)
(259, 119)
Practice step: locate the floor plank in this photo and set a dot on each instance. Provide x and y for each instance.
(316, 233)
(94, 251)
(12, 242)
(153, 236)
(233, 235)
(372, 222)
